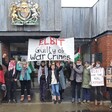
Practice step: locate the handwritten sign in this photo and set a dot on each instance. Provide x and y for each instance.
(51, 49)
(108, 80)
(97, 77)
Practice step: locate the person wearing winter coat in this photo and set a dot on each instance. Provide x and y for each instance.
(53, 79)
(42, 80)
(78, 72)
(86, 82)
(98, 94)
(25, 79)
(2, 83)
(109, 72)
(62, 83)
(11, 81)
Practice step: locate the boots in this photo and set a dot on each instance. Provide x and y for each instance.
(29, 98)
(22, 98)
(96, 103)
(101, 102)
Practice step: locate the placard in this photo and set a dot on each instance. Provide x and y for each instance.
(51, 49)
(108, 80)
(97, 77)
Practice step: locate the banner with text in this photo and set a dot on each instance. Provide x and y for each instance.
(97, 77)
(51, 49)
(108, 80)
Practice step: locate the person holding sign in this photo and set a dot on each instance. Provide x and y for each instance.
(86, 83)
(97, 82)
(108, 79)
(78, 69)
(42, 80)
(53, 79)
(11, 81)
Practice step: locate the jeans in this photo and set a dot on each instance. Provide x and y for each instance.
(75, 84)
(86, 94)
(25, 85)
(55, 90)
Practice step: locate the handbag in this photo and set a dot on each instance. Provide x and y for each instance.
(3, 87)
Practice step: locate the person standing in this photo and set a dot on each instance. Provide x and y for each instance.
(11, 81)
(42, 80)
(53, 79)
(62, 83)
(109, 72)
(98, 94)
(78, 69)
(2, 83)
(86, 83)
(25, 79)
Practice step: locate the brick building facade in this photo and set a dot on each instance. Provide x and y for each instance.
(103, 45)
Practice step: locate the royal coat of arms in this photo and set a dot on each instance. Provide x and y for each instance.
(25, 13)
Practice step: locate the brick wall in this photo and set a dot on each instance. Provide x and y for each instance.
(103, 45)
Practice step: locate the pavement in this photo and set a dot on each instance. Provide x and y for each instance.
(49, 107)
(66, 106)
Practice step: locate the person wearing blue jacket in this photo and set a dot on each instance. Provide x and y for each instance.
(25, 79)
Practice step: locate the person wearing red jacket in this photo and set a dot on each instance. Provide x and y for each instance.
(2, 83)
(2, 80)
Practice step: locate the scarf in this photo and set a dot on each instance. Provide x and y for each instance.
(23, 72)
(12, 66)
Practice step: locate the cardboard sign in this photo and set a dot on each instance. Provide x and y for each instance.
(108, 80)
(97, 77)
(51, 49)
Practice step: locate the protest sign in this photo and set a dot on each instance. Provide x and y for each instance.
(108, 80)
(51, 49)
(97, 77)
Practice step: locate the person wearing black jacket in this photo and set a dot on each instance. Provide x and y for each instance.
(4, 61)
(109, 72)
(53, 79)
(11, 80)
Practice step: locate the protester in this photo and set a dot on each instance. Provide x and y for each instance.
(98, 95)
(54, 81)
(67, 70)
(62, 84)
(25, 79)
(11, 81)
(42, 80)
(78, 71)
(86, 83)
(31, 65)
(4, 60)
(73, 81)
(109, 72)
(2, 83)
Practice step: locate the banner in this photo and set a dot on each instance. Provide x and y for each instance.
(51, 49)
(97, 77)
(108, 80)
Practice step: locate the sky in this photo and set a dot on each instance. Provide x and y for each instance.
(78, 3)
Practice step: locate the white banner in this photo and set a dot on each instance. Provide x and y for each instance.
(97, 77)
(51, 49)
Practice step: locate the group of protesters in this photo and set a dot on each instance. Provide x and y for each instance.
(52, 76)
